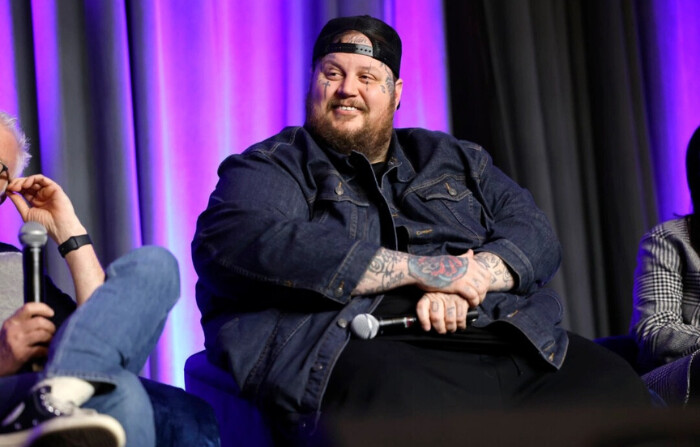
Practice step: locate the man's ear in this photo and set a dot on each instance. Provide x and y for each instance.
(398, 88)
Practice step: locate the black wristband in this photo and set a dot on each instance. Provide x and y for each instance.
(73, 243)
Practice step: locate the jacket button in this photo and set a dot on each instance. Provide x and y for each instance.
(339, 291)
(339, 189)
(318, 367)
(343, 323)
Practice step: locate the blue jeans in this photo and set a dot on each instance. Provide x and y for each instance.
(108, 339)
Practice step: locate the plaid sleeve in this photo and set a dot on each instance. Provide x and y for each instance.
(667, 294)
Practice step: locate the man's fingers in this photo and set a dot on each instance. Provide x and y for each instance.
(20, 203)
(423, 313)
(455, 313)
(472, 296)
(462, 309)
(443, 312)
(437, 314)
(38, 335)
(42, 325)
(29, 310)
(451, 318)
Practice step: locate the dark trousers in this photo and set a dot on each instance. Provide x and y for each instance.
(384, 379)
(399, 378)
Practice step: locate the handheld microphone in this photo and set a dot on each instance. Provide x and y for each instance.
(33, 237)
(367, 326)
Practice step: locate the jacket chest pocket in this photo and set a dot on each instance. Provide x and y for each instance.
(338, 206)
(448, 202)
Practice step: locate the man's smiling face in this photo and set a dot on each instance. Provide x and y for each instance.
(352, 100)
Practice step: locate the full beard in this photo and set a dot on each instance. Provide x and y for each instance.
(372, 139)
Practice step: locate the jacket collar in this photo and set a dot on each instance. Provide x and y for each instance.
(396, 157)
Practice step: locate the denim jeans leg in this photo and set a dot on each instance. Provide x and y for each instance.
(130, 404)
(118, 327)
(109, 338)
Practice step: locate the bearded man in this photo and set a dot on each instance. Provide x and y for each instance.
(348, 219)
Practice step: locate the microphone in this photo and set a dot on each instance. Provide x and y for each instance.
(33, 237)
(367, 326)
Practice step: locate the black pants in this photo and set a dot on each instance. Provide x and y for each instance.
(387, 379)
(397, 378)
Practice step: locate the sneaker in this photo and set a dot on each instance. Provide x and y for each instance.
(40, 420)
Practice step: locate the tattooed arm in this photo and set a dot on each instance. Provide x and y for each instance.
(459, 275)
(501, 276)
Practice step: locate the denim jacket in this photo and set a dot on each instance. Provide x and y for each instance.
(291, 227)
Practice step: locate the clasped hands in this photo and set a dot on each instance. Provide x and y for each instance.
(445, 308)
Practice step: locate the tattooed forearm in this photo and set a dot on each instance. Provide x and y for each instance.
(501, 277)
(386, 271)
(391, 269)
(437, 271)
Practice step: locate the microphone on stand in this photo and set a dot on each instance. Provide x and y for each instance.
(33, 237)
(367, 326)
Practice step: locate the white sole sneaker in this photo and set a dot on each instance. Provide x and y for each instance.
(90, 430)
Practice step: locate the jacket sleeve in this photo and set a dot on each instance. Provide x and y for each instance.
(658, 298)
(518, 231)
(259, 228)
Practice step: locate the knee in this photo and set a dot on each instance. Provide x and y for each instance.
(157, 263)
(152, 267)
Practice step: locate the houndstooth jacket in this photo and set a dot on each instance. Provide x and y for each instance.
(666, 315)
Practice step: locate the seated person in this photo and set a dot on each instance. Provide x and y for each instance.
(88, 392)
(666, 315)
(347, 216)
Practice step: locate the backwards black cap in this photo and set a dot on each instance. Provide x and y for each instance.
(386, 43)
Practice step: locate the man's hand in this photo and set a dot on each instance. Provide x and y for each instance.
(21, 335)
(442, 312)
(458, 275)
(40, 199)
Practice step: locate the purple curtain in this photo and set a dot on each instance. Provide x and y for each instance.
(671, 38)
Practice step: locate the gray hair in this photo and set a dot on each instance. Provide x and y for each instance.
(11, 123)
